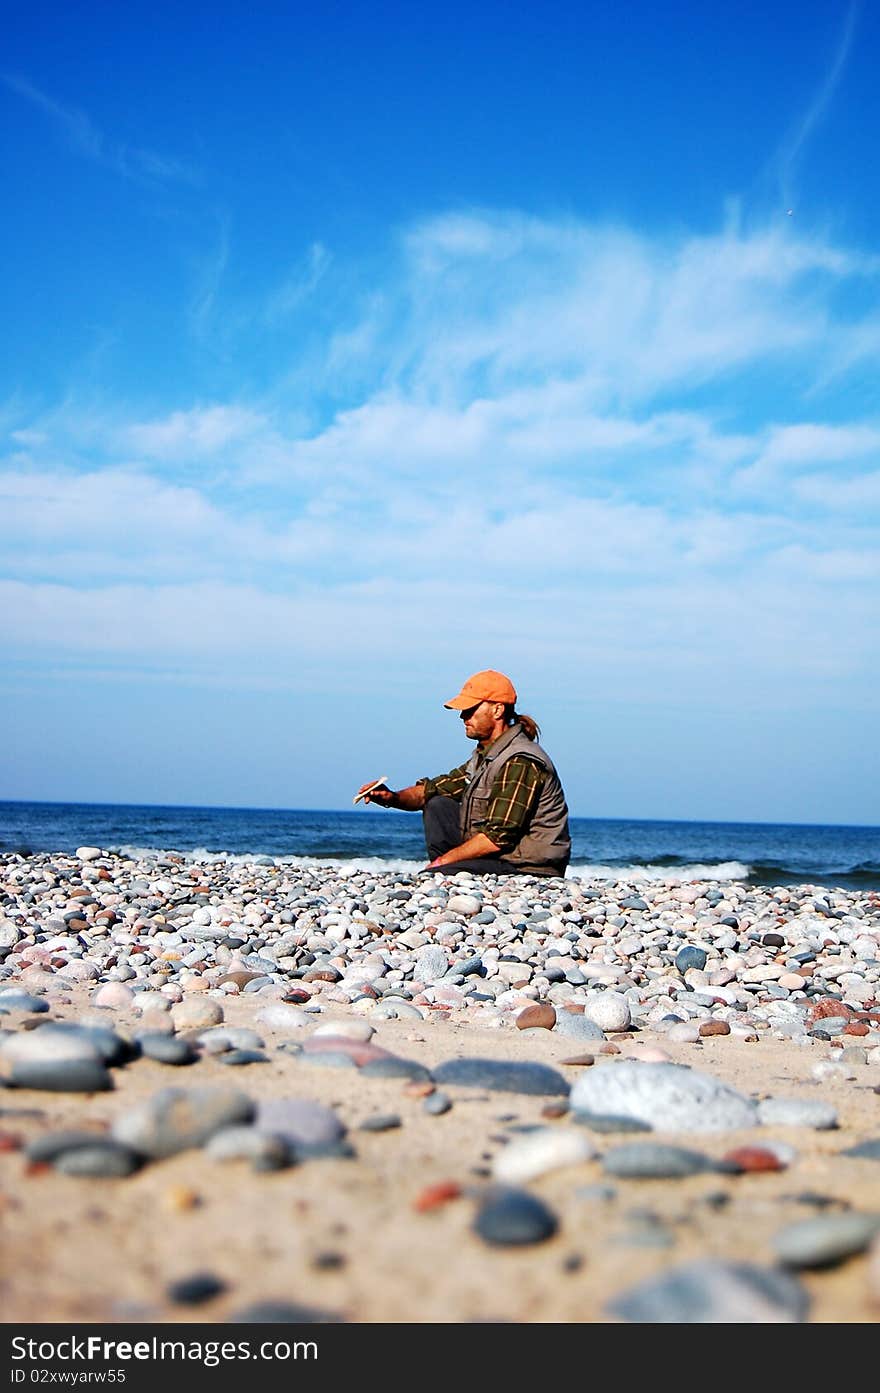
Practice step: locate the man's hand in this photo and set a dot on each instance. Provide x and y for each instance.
(478, 845)
(382, 794)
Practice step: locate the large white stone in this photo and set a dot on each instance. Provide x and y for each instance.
(669, 1097)
(609, 1010)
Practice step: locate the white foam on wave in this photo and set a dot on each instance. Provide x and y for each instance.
(720, 870)
(201, 855)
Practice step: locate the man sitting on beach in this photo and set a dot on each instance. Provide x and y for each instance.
(504, 811)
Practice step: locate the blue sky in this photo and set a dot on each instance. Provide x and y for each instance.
(354, 349)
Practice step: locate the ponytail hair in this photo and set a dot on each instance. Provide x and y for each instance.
(530, 728)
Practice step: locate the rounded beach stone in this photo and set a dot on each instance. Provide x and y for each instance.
(826, 1239)
(61, 1075)
(48, 1045)
(541, 1016)
(299, 1121)
(263, 1149)
(690, 957)
(648, 1160)
(88, 853)
(238, 1058)
(193, 1013)
(381, 1122)
(51, 1145)
(754, 1158)
(283, 1313)
(714, 1028)
(113, 996)
(230, 1037)
(710, 1292)
(610, 1011)
(511, 1218)
(797, 1112)
(282, 1016)
(464, 904)
(346, 1029)
(437, 1103)
(165, 1049)
(502, 1075)
(106, 1159)
(13, 1000)
(176, 1119)
(537, 1153)
(667, 1096)
(432, 963)
(393, 1068)
(572, 1026)
(196, 1289)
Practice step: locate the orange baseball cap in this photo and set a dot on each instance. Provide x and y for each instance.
(484, 686)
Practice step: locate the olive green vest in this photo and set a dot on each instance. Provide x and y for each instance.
(545, 845)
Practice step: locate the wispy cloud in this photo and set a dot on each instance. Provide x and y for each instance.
(794, 146)
(86, 139)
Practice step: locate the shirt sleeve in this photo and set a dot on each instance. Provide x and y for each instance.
(451, 785)
(513, 799)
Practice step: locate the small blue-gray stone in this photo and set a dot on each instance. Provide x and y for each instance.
(437, 1103)
(283, 1313)
(381, 1122)
(105, 1159)
(61, 1075)
(577, 1027)
(709, 1292)
(167, 1049)
(327, 1059)
(826, 1239)
(394, 1068)
(192, 1291)
(689, 957)
(654, 1161)
(236, 1057)
(54, 1144)
(14, 1000)
(503, 1076)
(510, 1217)
(865, 1150)
(608, 1122)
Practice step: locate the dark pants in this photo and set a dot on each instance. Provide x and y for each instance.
(442, 820)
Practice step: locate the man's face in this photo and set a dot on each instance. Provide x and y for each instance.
(480, 720)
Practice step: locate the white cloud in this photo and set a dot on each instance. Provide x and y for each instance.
(578, 448)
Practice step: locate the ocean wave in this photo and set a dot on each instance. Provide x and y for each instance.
(720, 870)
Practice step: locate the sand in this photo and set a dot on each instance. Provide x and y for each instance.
(78, 1250)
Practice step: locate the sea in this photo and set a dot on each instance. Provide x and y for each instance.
(376, 839)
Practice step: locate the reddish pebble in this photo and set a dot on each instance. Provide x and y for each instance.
(714, 1028)
(540, 1016)
(828, 1007)
(554, 1109)
(418, 1088)
(609, 1047)
(37, 1168)
(435, 1195)
(582, 1059)
(857, 1028)
(754, 1158)
(10, 1141)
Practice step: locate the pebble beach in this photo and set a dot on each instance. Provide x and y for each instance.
(249, 1091)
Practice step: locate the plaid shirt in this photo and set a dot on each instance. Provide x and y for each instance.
(514, 795)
